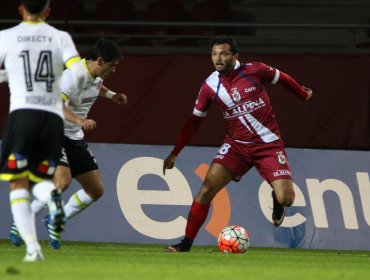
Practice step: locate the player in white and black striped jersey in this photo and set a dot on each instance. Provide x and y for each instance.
(34, 55)
(81, 164)
(77, 161)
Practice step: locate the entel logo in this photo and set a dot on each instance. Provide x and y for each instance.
(131, 200)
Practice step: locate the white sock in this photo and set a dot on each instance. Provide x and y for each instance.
(37, 206)
(76, 203)
(42, 191)
(24, 218)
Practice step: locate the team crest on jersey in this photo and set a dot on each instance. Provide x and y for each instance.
(281, 157)
(236, 95)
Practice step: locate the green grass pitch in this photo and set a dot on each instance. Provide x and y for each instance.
(80, 260)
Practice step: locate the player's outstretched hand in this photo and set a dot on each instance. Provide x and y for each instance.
(120, 99)
(88, 124)
(169, 163)
(309, 92)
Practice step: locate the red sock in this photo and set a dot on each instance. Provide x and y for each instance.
(197, 216)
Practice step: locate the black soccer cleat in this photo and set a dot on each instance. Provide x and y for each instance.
(278, 213)
(183, 246)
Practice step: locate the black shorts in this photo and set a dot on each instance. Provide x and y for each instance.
(77, 156)
(31, 147)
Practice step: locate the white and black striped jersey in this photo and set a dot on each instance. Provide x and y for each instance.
(34, 55)
(87, 96)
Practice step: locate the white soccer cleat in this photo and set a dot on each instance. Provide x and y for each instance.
(36, 256)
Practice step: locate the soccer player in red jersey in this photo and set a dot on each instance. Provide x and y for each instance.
(253, 137)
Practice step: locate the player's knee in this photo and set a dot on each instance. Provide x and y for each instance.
(287, 197)
(62, 182)
(97, 192)
(206, 193)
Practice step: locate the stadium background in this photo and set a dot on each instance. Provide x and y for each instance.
(325, 45)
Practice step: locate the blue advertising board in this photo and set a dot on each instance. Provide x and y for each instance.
(141, 205)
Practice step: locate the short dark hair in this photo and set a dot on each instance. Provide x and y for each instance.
(34, 7)
(106, 49)
(226, 40)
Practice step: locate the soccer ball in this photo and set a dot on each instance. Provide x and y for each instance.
(233, 239)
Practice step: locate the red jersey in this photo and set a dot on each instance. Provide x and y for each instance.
(244, 102)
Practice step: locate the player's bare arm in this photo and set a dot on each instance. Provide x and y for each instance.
(118, 98)
(86, 124)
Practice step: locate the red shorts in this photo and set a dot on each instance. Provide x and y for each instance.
(270, 159)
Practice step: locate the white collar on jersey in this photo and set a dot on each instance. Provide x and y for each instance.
(237, 64)
(91, 78)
